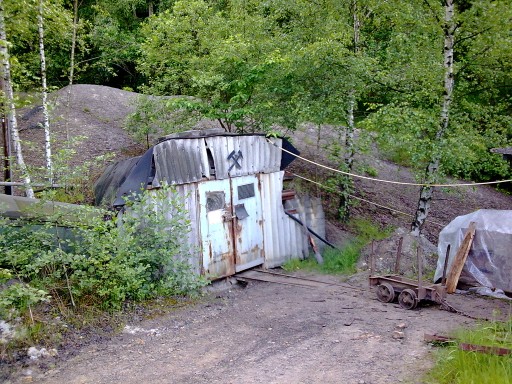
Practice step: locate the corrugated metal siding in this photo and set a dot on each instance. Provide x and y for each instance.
(188, 196)
(314, 215)
(181, 161)
(284, 238)
(259, 156)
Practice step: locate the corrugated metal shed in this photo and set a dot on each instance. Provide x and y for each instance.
(284, 238)
(231, 187)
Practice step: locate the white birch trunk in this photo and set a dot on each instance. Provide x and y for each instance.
(431, 171)
(11, 110)
(346, 185)
(46, 119)
(349, 138)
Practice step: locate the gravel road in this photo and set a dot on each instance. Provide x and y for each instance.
(272, 333)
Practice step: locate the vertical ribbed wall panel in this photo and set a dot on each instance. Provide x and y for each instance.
(188, 196)
(181, 161)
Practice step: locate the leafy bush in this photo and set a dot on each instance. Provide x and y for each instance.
(87, 260)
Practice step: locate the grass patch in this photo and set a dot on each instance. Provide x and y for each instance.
(343, 260)
(456, 366)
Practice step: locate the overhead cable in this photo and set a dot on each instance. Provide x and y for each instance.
(389, 181)
(364, 200)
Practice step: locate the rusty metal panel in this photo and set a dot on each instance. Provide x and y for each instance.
(236, 156)
(284, 238)
(181, 161)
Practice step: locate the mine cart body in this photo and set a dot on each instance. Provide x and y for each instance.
(409, 292)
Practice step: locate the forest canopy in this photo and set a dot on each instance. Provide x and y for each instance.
(255, 65)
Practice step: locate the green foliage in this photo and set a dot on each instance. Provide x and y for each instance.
(308, 264)
(21, 28)
(367, 231)
(341, 261)
(84, 260)
(19, 297)
(408, 116)
(406, 135)
(456, 366)
(156, 116)
(75, 180)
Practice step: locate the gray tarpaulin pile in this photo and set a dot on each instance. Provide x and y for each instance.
(489, 262)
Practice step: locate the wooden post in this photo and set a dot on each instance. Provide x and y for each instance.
(460, 259)
(443, 280)
(420, 267)
(372, 259)
(398, 255)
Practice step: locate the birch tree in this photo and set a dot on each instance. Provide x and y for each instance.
(426, 192)
(475, 104)
(446, 67)
(71, 65)
(358, 14)
(44, 91)
(5, 68)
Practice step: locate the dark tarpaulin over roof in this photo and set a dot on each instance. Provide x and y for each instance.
(105, 188)
(138, 178)
(122, 178)
(287, 158)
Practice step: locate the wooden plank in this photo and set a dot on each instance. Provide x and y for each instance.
(442, 339)
(435, 338)
(500, 351)
(460, 259)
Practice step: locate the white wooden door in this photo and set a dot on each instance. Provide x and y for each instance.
(216, 229)
(247, 222)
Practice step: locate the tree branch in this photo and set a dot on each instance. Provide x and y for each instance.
(432, 11)
(471, 36)
(461, 69)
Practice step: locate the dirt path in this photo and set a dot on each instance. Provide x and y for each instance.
(271, 333)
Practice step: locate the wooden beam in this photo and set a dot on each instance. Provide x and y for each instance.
(460, 259)
(442, 339)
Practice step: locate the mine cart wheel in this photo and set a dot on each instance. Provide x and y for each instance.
(408, 299)
(385, 293)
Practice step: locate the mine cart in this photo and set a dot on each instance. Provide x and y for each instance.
(408, 291)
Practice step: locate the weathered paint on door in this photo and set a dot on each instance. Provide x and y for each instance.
(231, 225)
(248, 222)
(216, 228)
